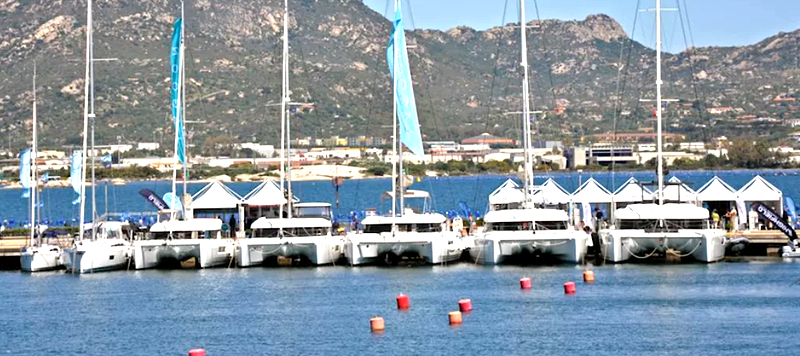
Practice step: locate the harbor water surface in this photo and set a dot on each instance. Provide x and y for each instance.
(730, 308)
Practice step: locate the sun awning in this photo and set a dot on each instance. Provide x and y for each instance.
(591, 191)
(215, 195)
(632, 192)
(716, 190)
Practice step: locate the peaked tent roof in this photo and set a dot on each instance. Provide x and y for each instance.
(268, 193)
(716, 190)
(591, 191)
(506, 193)
(674, 192)
(758, 189)
(550, 192)
(632, 192)
(215, 195)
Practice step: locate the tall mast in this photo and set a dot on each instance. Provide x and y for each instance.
(183, 97)
(92, 118)
(526, 109)
(658, 105)
(87, 83)
(396, 145)
(286, 103)
(34, 182)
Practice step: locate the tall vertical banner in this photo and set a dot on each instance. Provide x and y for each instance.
(75, 174)
(175, 62)
(406, 104)
(25, 172)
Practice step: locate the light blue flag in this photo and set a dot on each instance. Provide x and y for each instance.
(25, 172)
(406, 104)
(173, 201)
(75, 177)
(175, 89)
(45, 178)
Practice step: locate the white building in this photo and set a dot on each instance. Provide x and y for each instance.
(149, 146)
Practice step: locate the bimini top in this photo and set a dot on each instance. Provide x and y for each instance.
(758, 189)
(215, 195)
(507, 193)
(632, 192)
(669, 211)
(190, 225)
(525, 215)
(435, 218)
(268, 193)
(290, 223)
(716, 190)
(591, 191)
(410, 194)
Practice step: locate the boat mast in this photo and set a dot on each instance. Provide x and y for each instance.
(94, 152)
(395, 132)
(87, 83)
(285, 107)
(658, 105)
(34, 182)
(526, 109)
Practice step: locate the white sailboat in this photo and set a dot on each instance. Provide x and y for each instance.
(642, 230)
(38, 256)
(524, 231)
(405, 233)
(182, 238)
(105, 246)
(305, 233)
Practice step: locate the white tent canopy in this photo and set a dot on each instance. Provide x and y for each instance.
(551, 192)
(215, 195)
(677, 191)
(758, 189)
(716, 190)
(632, 192)
(268, 193)
(591, 191)
(507, 193)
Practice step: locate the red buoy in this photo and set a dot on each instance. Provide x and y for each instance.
(525, 283)
(376, 324)
(402, 301)
(454, 317)
(588, 276)
(465, 305)
(197, 352)
(569, 288)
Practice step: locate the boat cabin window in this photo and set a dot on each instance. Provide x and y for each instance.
(292, 232)
(506, 206)
(552, 225)
(509, 226)
(379, 228)
(429, 227)
(669, 225)
(181, 235)
(324, 212)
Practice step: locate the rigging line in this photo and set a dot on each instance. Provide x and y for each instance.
(545, 52)
(692, 70)
(623, 77)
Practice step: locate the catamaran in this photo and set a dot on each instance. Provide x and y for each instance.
(105, 246)
(641, 230)
(405, 233)
(182, 237)
(38, 256)
(518, 231)
(304, 233)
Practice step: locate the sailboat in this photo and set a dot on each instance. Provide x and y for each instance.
(405, 233)
(305, 232)
(520, 231)
(38, 256)
(642, 230)
(108, 244)
(182, 238)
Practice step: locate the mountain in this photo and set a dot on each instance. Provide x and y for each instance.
(465, 80)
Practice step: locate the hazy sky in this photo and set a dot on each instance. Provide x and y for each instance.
(713, 22)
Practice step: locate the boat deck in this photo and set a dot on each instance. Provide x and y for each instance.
(10, 248)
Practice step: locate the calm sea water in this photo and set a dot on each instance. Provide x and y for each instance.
(449, 194)
(733, 308)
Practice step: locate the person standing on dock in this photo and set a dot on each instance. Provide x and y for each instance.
(598, 215)
(715, 219)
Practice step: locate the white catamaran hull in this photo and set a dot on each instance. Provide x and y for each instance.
(40, 258)
(702, 245)
(433, 247)
(98, 256)
(502, 246)
(206, 252)
(321, 250)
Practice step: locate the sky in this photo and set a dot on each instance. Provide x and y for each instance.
(713, 22)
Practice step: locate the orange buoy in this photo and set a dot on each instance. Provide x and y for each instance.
(197, 352)
(569, 288)
(588, 276)
(465, 305)
(376, 324)
(525, 283)
(455, 317)
(402, 301)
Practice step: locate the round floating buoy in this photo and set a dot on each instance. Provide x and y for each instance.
(197, 352)
(376, 324)
(588, 276)
(465, 305)
(525, 283)
(569, 288)
(455, 317)
(402, 301)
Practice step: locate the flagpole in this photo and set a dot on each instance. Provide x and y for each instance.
(183, 102)
(396, 140)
